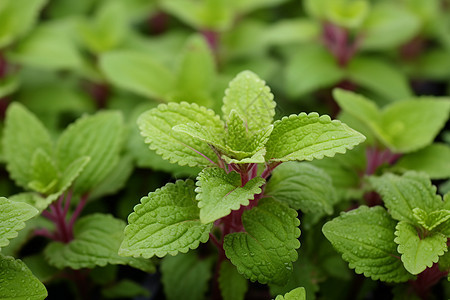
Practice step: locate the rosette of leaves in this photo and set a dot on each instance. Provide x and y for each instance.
(237, 153)
(405, 240)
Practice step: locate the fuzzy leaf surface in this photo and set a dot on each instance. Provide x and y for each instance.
(303, 187)
(12, 218)
(96, 242)
(18, 283)
(23, 134)
(252, 99)
(233, 285)
(296, 294)
(418, 253)
(431, 220)
(308, 137)
(365, 237)
(267, 248)
(166, 222)
(98, 137)
(401, 194)
(219, 193)
(178, 147)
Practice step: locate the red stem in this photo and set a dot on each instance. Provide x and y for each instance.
(77, 212)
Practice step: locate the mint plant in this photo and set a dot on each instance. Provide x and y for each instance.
(227, 203)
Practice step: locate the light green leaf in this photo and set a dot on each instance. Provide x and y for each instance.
(248, 6)
(125, 289)
(44, 173)
(303, 187)
(401, 194)
(232, 285)
(22, 135)
(32, 198)
(218, 193)
(379, 77)
(210, 136)
(267, 248)
(18, 283)
(185, 276)
(12, 218)
(365, 237)
(177, 147)
(17, 16)
(308, 137)
(138, 72)
(166, 222)
(348, 14)
(251, 98)
(296, 294)
(311, 68)
(97, 136)
(432, 220)
(418, 253)
(411, 125)
(96, 242)
(288, 31)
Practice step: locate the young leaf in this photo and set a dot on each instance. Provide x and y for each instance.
(177, 147)
(303, 187)
(267, 248)
(417, 252)
(432, 220)
(251, 98)
(96, 242)
(100, 138)
(22, 135)
(308, 137)
(44, 173)
(296, 294)
(232, 285)
(365, 237)
(218, 193)
(185, 276)
(18, 282)
(166, 222)
(12, 218)
(401, 194)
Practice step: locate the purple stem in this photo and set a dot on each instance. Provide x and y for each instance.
(49, 215)
(212, 37)
(67, 202)
(45, 233)
(77, 212)
(269, 168)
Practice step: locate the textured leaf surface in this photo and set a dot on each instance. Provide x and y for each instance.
(303, 187)
(97, 238)
(177, 147)
(44, 173)
(365, 237)
(308, 137)
(401, 194)
(18, 283)
(267, 248)
(418, 253)
(98, 137)
(166, 222)
(185, 276)
(22, 135)
(432, 220)
(12, 218)
(252, 99)
(219, 193)
(296, 294)
(232, 285)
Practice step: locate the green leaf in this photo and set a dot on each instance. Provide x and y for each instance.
(96, 242)
(401, 194)
(44, 173)
(365, 237)
(98, 137)
(166, 222)
(17, 16)
(298, 30)
(379, 77)
(267, 248)
(232, 285)
(311, 68)
(432, 220)
(418, 253)
(303, 187)
(218, 193)
(138, 72)
(433, 160)
(251, 98)
(177, 147)
(9, 84)
(296, 294)
(185, 276)
(18, 283)
(308, 137)
(125, 289)
(12, 218)
(22, 135)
